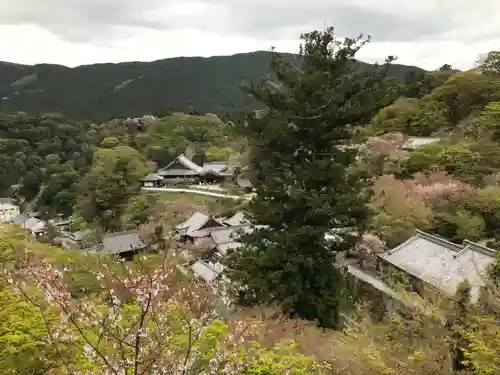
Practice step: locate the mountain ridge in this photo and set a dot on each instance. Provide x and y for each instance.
(107, 90)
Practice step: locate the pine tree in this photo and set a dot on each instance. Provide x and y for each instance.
(306, 184)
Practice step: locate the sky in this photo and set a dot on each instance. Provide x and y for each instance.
(426, 33)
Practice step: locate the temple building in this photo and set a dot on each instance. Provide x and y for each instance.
(182, 170)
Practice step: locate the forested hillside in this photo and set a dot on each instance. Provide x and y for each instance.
(105, 91)
(51, 154)
(451, 186)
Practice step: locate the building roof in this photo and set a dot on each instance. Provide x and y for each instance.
(80, 235)
(196, 223)
(441, 263)
(227, 238)
(175, 172)
(8, 206)
(181, 165)
(34, 225)
(152, 178)
(116, 243)
(18, 219)
(238, 218)
(413, 143)
(215, 167)
(120, 242)
(205, 271)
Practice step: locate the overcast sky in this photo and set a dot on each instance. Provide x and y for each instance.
(427, 33)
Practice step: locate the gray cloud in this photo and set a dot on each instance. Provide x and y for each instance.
(387, 20)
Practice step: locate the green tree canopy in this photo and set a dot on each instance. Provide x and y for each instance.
(305, 187)
(113, 179)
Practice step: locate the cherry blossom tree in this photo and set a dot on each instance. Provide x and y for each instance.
(439, 188)
(378, 154)
(385, 144)
(368, 246)
(402, 206)
(142, 321)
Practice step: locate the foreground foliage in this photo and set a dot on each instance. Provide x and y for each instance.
(146, 318)
(140, 318)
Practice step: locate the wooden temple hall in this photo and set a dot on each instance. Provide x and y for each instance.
(183, 170)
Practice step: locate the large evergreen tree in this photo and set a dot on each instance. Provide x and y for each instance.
(306, 185)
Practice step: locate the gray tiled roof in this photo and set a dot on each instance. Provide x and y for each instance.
(195, 223)
(215, 167)
(188, 163)
(33, 224)
(237, 219)
(176, 172)
(229, 234)
(441, 263)
(227, 238)
(192, 169)
(151, 178)
(205, 271)
(116, 243)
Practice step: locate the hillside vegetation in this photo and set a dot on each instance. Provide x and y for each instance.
(450, 187)
(105, 91)
(52, 154)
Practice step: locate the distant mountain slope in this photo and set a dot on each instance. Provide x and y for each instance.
(103, 91)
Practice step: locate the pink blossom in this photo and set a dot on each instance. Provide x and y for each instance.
(141, 319)
(370, 243)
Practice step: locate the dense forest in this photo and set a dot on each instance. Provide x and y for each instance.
(328, 154)
(105, 91)
(47, 159)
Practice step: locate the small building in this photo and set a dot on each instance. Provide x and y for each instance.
(75, 240)
(60, 223)
(35, 226)
(432, 265)
(152, 180)
(198, 226)
(184, 170)
(429, 266)
(214, 172)
(123, 244)
(207, 271)
(8, 210)
(180, 168)
(225, 239)
(218, 167)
